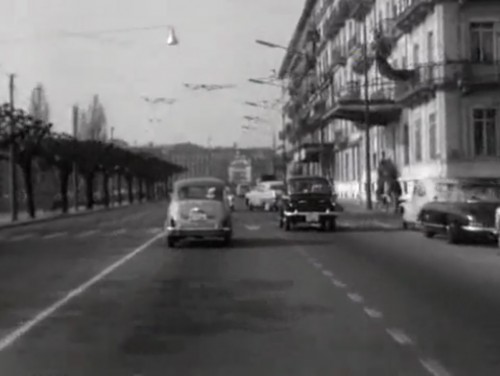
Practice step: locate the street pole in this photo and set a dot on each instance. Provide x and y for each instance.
(274, 150)
(12, 155)
(367, 121)
(75, 171)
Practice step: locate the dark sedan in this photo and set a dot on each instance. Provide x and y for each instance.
(309, 200)
(459, 221)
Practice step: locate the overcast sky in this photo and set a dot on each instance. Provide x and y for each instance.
(216, 46)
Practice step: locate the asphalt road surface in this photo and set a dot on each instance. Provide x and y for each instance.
(102, 295)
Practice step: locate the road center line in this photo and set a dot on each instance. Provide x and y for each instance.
(356, 298)
(55, 235)
(16, 334)
(317, 265)
(399, 336)
(434, 367)
(86, 234)
(338, 283)
(21, 237)
(327, 273)
(373, 313)
(117, 232)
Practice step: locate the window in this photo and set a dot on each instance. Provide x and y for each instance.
(418, 140)
(484, 131)
(482, 42)
(347, 171)
(433, 149)
(416, 51)
(406, 144)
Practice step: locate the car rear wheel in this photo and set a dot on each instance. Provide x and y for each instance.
(332, 225)
(171, 241)
(227, 240)
(429, 233)
(287, 225)
(454, 233)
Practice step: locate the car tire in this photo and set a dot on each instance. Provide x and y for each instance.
(281, 220)
(429, 233)
(288, 225)
(171, 242)
(332, 225)
(250, 206)
(227, 241)
(454, 233)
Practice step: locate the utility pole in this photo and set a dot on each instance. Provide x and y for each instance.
(367, 121)
(75, 172)
(14, 209)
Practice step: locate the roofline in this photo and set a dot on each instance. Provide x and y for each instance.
(290, 53)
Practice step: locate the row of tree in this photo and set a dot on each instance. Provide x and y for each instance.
(37, 147)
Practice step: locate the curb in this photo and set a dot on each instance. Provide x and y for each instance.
(60, 216)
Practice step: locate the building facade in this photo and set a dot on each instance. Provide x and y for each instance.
(423, 74)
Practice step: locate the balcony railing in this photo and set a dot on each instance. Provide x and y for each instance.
(461, 75)
(337, 19)
(350, 92)
(359, 9)
(413, 14)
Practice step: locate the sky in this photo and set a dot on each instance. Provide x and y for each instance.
(216, 46)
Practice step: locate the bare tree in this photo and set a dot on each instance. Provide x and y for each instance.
(39, 106)
(93, 123)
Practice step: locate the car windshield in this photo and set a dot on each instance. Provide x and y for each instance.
(309, 186)
(201, 192)
(277, 186)
(477, 192)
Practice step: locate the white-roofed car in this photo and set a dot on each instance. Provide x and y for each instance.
(265, 195)
(199, 209)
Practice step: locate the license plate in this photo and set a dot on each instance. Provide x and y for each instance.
(312, 217)
(198, 217)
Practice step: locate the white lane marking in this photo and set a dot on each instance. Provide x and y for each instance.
(317, 265)
(86, 234)
(252, 227)
(356, 298)
(338, 283)
(434, 367)
(16, 334)
(21, 237)
(327, 273)
(373, 313)
(399, 336)
(117, 232)
(55, 235)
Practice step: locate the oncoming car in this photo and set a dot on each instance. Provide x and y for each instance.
(199, 209)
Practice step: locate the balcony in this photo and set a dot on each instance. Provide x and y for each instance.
(350, 105)
(360, 63)
(359, 9)
(429, 78)
(413, 14)
(311, 152)
(337, 19)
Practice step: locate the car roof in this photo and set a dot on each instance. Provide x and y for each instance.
(198, 181)
(269, 182)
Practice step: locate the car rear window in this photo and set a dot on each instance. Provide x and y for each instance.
(309, 186)
(277, 186)
(201, 192)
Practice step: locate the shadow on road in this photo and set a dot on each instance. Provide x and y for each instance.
(256, 243)
(369, 228)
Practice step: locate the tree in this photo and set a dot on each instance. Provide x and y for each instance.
(93, 123)
(39, 106)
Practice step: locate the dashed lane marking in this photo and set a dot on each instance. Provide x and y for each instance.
(434, 367)
(55, 235)
(373, 313)
(26, 327)
(317, 265)
(327, 273)
(356, 298)
(86, 234)
(252, 227)
(399, 336)
(21, 237)
(338, 283)
(118, 232)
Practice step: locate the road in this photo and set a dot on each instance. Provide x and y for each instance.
(102, 295)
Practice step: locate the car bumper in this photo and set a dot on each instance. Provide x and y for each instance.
(309, 217)
(480, 230)
(198, 232)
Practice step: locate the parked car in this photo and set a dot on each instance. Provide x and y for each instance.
(309, 200)
(242, 189)
(199, 209)
(462, 209)
(265, 195)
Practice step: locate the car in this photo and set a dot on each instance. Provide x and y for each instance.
(265, 195)
(462, 209)
(230, 198)
(242, 189)
(199, 209)
(309, 200)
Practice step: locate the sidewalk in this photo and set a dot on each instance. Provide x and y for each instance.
(45, 216)
(355, 213)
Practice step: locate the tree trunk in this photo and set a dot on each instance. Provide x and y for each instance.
(89, 190)
(130, 188)
(119, 188)
(140, 189)
(105, 189)
(27, 169)
(64, 175)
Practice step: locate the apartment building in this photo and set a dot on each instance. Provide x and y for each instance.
(431, 73)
